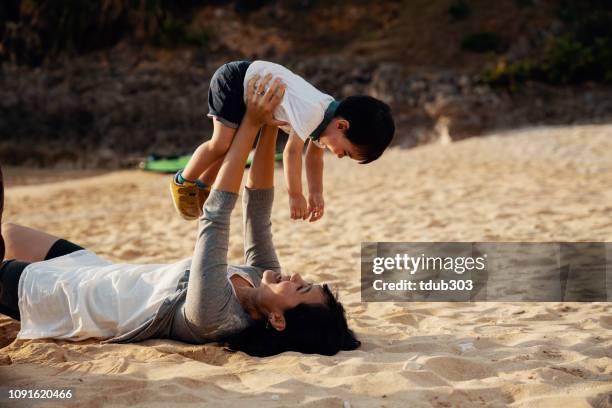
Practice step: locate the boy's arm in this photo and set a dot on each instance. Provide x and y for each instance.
(292, 162)
(314, 176)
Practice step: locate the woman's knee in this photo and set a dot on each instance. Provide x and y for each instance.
(8, 229)
(26, 244)
(9, 232)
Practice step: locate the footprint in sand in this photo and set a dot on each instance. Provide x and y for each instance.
(129, 254)
(458, 369)
(606, 322)
(405, 319)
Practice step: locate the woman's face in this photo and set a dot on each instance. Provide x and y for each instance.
(284, 292)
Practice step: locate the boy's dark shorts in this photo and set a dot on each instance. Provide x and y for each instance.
(226, 93)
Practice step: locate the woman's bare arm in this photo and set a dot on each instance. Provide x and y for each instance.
(261, 174)
(257, 204)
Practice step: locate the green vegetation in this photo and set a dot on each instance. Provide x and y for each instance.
(483, 42)
(581, 52)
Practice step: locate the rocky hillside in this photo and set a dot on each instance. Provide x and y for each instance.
(100, 83)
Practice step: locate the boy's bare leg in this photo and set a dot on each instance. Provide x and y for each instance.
(208, 153)
(261, 174)
(26, 244)
(209, 176)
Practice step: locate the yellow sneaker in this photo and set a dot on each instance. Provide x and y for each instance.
(188, 198)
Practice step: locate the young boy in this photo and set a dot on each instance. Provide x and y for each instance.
(360, 127)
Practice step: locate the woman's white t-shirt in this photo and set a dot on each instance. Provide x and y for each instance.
(81, 295)
(303, 105)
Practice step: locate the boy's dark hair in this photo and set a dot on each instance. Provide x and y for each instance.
(310, 329)
(371, 125)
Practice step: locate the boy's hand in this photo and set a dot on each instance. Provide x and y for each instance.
(298, 206)
(316, 206)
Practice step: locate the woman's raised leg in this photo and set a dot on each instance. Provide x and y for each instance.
(26, 244)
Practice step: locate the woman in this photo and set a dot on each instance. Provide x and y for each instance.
(60, 290)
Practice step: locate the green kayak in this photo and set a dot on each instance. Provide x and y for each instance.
(173, 164)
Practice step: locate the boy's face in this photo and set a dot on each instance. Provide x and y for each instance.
(335, 140)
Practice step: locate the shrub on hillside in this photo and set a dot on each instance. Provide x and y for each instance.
(583, 52)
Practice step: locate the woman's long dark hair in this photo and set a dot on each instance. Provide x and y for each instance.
(309, 328)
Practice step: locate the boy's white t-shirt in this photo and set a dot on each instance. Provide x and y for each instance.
(303, 105)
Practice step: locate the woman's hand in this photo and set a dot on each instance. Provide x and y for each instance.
(261, 104)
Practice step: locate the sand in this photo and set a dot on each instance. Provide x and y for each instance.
(540, 184)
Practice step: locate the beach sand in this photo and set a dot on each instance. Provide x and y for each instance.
(540, 184)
